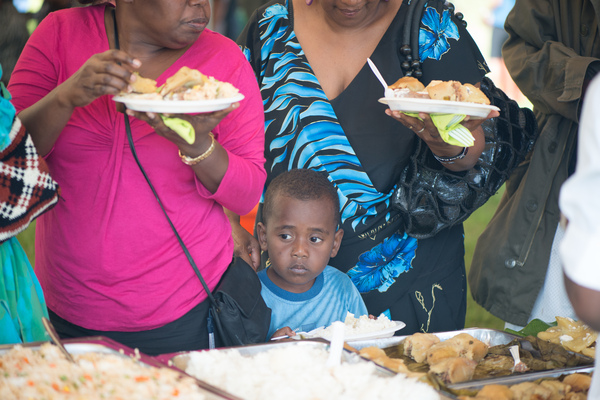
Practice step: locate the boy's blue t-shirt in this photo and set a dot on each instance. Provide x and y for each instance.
(330, 298)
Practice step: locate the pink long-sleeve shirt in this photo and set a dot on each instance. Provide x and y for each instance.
(105, 255)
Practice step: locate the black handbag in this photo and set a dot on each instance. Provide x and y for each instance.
(239, 314)
(430, 197)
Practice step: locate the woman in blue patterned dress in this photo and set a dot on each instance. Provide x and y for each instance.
(322, 112)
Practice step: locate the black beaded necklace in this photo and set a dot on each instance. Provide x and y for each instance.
(410, 36)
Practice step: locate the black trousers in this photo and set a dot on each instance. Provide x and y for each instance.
(190, 332)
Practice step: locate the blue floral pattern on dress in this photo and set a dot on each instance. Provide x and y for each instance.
(378, 268)
(433, 38)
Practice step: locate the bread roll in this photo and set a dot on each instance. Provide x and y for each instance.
(413, 84)
(445, 90)
(143, 85)
(474, 95)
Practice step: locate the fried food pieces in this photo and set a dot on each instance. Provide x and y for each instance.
(452, 361)
(185, 84)
(461, 345)
(572, 335)
(572, 387)
(417, 345)
(143, 85)
(378, 356)
(438, 90)
(454, 370)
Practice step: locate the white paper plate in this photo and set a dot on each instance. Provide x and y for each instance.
(177, 106)
(388, 332)
(408, 104)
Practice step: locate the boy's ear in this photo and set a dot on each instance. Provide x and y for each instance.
(261, 231)
(337, 241)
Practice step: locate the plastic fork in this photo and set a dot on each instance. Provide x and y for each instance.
(463, 135)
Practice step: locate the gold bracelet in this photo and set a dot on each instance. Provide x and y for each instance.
(193, 161)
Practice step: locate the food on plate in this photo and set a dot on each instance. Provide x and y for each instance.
(417, 345)
(185, 84)
(409, 87)
(461, 345)
(496, 392)
(413, 84)
(143, 85)
(27, 373)
(300, 372)
(572, 335)
(454, 370)
(454, 360)
(541, 389)
(578, 382)
(378, 356)
(421, 353)
(357, 326)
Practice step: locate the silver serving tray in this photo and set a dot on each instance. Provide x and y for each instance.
(492, 337)
(101, 344)
(514, 379)
(180, 360)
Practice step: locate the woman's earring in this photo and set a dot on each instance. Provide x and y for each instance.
(309, 2)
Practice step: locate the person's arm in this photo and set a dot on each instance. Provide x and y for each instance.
(431, 137)
(44, 101)
(579, 202)
(550, 73)
(586, 303)
(281, 333)
(245, 245)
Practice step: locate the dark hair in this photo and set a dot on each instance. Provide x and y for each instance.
(301, 184)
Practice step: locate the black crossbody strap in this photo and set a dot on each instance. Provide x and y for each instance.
(132, 147)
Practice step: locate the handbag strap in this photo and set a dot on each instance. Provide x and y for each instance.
(137, 161)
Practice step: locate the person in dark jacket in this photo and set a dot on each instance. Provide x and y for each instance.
(552, 53)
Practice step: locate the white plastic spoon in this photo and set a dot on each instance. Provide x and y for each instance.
(336, 344)
(387, 91)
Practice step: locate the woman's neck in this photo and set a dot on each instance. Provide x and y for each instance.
(337, 52)
(155, 58)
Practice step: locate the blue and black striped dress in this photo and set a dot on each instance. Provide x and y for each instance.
(363, 151)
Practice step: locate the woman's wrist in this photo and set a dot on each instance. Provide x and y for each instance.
(188, 160)
(452, 159)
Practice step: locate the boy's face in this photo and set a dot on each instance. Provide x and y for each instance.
(300, 237)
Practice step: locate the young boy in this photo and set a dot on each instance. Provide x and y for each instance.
(300, 231)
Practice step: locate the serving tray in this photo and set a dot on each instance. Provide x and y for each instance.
(180, 360)
(101, 344)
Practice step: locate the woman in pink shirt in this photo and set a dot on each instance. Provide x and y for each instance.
(106, 256)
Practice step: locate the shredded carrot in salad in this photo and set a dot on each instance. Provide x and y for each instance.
(44, 373)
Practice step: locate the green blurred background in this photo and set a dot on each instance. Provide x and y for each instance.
(474, 11)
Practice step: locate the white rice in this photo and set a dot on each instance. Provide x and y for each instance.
(46, 374)
(356, 326)
(300, 373)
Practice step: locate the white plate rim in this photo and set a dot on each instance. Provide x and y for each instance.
(371, 335)
(177, 106)
(409, 104)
